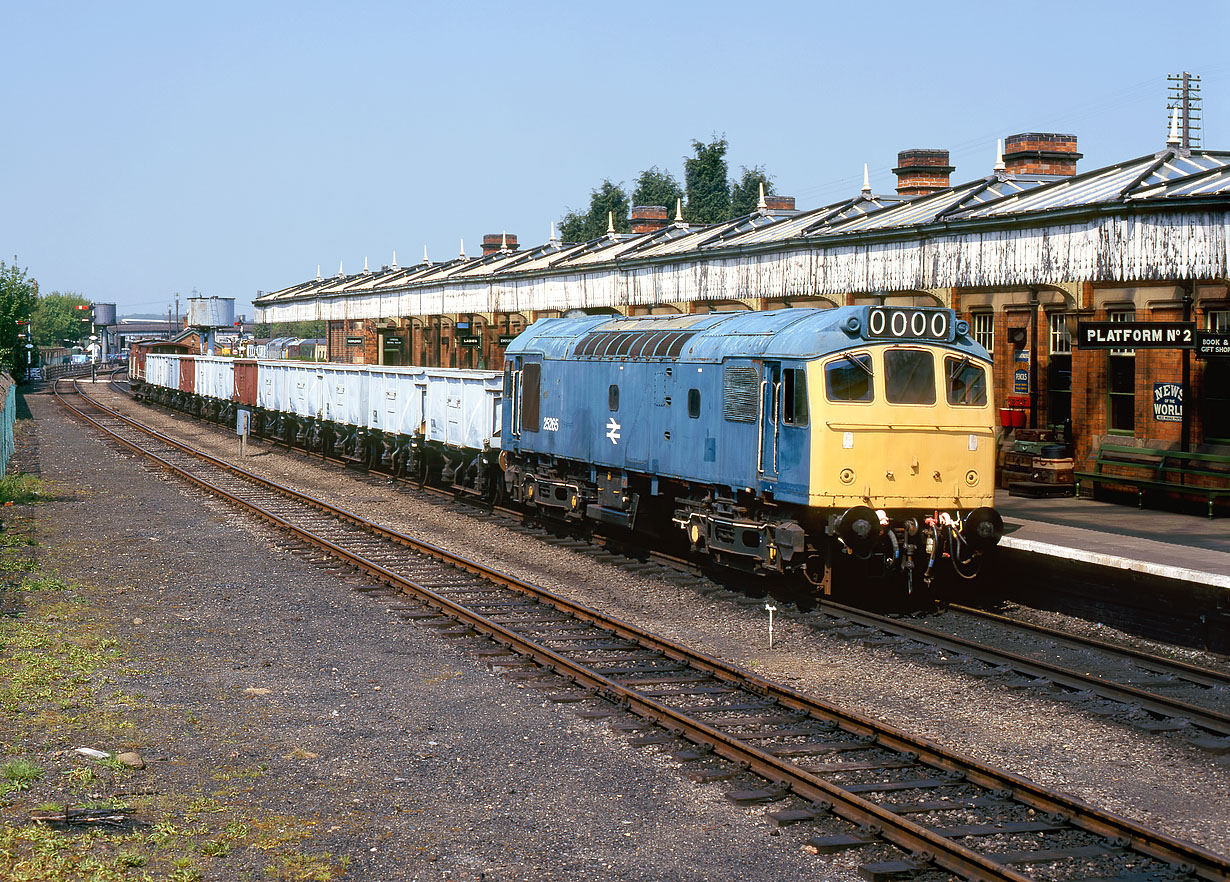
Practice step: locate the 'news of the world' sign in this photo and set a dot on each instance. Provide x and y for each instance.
(1136, 335)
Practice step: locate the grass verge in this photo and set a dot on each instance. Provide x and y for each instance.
(65, 816)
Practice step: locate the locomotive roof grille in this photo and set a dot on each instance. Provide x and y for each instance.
(652, 344)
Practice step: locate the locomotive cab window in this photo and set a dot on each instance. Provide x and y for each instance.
(848, 378)
(612, 398)
(909, 376)
(794, 397)
(966, 381)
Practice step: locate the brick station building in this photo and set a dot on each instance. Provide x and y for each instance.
(1024, 254)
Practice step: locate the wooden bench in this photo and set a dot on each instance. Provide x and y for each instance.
(1148, 468)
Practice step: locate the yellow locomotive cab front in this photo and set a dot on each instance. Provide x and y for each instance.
(903, 427)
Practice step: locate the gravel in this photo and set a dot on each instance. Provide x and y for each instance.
(415, 781)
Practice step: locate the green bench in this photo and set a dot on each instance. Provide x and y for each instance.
(1147, 468)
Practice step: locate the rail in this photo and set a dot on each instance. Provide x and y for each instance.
(726, 712)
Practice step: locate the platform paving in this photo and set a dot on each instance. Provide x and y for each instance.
(1188, 547)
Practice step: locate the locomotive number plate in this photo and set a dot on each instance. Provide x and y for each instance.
(905, 323)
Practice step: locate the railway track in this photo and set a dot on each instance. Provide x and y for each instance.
(1133, 680)
(1135, 687)
(943, 810)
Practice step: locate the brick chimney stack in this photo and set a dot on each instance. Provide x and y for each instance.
(649, 218)
(779, 203)
(921, 171)
(1040, 153)
(496, 242)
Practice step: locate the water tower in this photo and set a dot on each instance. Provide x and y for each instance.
(104, 319)
(207, 314)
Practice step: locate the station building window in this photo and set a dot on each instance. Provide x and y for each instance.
(1215, 387)
(984, 330)
(1059, 371)
(1121, 382)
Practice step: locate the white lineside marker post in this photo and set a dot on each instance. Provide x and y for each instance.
(243, 419)
(772, 609)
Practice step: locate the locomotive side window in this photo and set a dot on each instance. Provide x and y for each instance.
(849, 378)
(967, 382)
(909, 376)
(530, 375)
(794, 397)
(694, 403)
(612, 398)
(508, 366)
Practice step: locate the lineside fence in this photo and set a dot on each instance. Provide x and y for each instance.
(7, 419)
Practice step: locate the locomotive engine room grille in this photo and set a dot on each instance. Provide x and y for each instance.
(633, 344)
(740, 394)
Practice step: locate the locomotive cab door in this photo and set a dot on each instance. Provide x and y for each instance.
(770, 416)
(523, 389)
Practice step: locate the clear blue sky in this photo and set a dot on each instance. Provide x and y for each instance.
(231, 147)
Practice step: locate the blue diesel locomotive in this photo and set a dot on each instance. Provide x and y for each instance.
(777, 441)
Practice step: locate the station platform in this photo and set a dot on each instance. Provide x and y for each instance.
(1184, 547)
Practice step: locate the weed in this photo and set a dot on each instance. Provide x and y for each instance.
(22, 488)
(216, 847)
(295, 866)
(21, 773)
(81, 777)
(43, 583)
(184, 872)
(131, 859)
(10, 564)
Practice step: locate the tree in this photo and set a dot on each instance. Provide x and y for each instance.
(657, 187)
(607, 201)
(309, 330)
(745, 192)
(17, 296)
(55, 319)
(704, 177)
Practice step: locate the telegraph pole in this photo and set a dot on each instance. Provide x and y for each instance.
(1185, 95)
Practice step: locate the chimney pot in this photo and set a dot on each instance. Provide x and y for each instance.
(493, 243)
(1040, 153)
(649, 218)
(921, 170)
